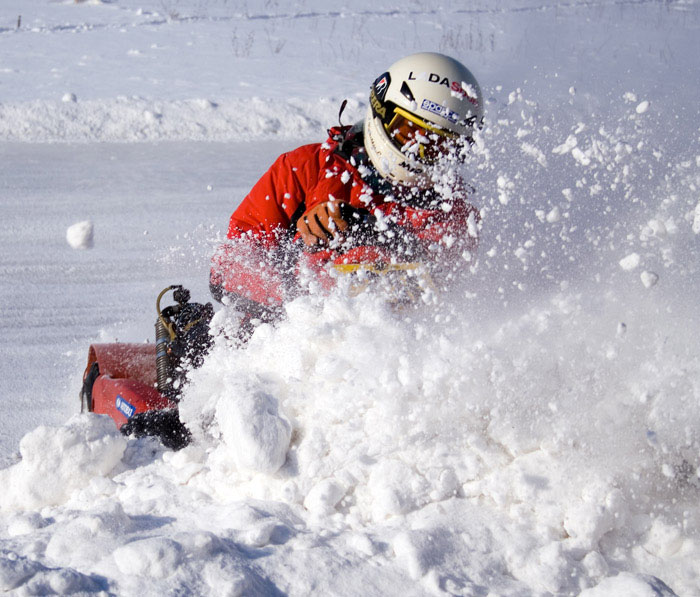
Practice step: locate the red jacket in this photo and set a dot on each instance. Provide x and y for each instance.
(309, 175)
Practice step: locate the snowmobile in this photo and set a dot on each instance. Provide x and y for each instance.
(139, 384)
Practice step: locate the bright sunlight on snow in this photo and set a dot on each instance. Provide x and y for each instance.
(536, 431)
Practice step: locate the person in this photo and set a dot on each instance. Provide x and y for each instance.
(386, 181)
(382, 190)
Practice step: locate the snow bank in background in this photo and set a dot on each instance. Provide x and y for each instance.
(139, 119)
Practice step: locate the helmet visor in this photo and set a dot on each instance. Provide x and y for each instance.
(414, 136)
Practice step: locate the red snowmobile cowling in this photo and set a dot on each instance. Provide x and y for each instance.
(124, 381)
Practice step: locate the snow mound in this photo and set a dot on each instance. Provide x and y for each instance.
(36, 579)
(406, 419)
(158, 557)
(56, 461)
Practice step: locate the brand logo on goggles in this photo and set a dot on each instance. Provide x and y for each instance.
(440, 110)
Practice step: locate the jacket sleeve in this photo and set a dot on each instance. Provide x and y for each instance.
(271, 205)
(334, 180)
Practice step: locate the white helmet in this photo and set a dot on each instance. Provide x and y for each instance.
(420, 102)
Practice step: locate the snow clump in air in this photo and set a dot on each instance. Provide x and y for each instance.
(630, 262)
(642, 107)
(81, 235)
(649, 279)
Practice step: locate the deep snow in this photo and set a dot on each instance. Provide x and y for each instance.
(535, 432)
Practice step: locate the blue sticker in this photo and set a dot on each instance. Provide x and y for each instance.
(124, 407)
(440, 110)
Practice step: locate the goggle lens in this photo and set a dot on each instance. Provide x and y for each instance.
(415, 136)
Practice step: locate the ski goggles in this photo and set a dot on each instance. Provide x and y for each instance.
(413, 135)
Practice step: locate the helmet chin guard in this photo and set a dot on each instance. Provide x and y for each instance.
(388, 160)
(424, 104)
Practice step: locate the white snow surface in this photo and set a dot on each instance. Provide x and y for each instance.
(536, 431)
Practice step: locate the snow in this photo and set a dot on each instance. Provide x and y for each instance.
(642, 107)
(80, 235)
(630, 262)
(534, 432)
(58, 460)
(649, 279)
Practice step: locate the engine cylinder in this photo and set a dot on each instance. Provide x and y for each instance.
(163, 365)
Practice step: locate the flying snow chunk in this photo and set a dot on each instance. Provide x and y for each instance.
(69, 98)
(696, 219)
(581, 156)
(554, 215)
(642, 107)
(649, 279)
(80, 235)
(567, 146)
(534, 152)
(630, 262)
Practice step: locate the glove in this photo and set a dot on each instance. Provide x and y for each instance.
(324, 222)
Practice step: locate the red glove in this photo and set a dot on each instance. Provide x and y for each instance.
(323, 222)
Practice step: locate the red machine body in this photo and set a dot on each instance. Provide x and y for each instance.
(125, 382)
